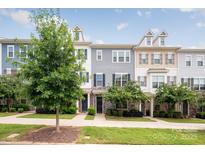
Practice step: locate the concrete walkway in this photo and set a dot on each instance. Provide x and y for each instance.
(99, 121)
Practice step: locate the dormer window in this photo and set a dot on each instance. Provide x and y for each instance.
(162, 41)
(76, 37)
(149, 41)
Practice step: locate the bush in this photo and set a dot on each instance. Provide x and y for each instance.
(72, 110)
(91, 111)
(156, 113)
(4, 109)
(162, 114)
(45, 110)
(12, 110)
(132, 113)
(177, 114)
(200, 115)
(20, 110)
(109, 112)
(115, 113)
(26, 107)
(120, 113)
(169, 114)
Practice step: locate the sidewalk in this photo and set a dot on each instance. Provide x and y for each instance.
(99, 121)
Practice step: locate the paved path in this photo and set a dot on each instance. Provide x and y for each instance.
(99, 121)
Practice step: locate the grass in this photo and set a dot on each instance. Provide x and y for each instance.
(140, 119)
(48, 116)
(191, 120)
(8, 129)
(89, 117)
(143, 136)
(5, 114)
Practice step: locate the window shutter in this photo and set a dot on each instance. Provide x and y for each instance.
(87, 76)
(94, 80)
(103, 80)
(168, 79)
(86, 53)
(113, 79)
(140, 58)
(145, 79)
(152, 58)
(128, 77)
(182, 80)
(161, 58)
(175, 80)
(166, 58)
(138, 79)
(146, 58)
(192, 83)
(173, 58)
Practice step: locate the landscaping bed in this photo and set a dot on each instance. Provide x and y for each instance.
(190, 120)
(139, 119)
(48, 116)
(89, 117)
(143, 136)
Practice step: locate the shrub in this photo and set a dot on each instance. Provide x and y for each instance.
(156, 113)
(200, 115)
(26, 107)
(120, 113)
(132, 113)
(91, 111)
(72, 110)
(177, 114)
(169, 114)
(20, 110)
(4, 109)
(12, 110)
(109, 112)
(162, 114)
(114, 112)
(45, 110)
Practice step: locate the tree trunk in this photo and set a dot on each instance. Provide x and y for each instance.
(57, 120)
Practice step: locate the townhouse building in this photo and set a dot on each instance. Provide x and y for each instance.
(151, 63)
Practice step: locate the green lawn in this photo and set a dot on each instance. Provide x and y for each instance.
(140, 119)
(48, 116)
(8, 129)
(89, 117)
(191, 120)
(100, 135)
(4, 114)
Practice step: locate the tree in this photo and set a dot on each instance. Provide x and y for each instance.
(201, 101)
(129, 93)
(173, 94)
(51, 69)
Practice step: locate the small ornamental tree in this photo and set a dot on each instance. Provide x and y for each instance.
(51, 69)
(201, 101)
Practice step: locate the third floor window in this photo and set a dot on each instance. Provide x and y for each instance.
(188, 60)
(200, 60)
(120, 56)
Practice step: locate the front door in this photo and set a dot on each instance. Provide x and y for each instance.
(99, 104)
(185, 108)
(85, 103)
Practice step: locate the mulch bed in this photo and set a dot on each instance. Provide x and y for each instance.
(49, 135)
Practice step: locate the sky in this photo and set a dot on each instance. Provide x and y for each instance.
(185, 27)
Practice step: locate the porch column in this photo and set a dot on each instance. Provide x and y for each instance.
(140, 107)
(151, 106)
(77, 105)
(88, 100)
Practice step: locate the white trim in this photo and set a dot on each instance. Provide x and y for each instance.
(146, 41)
(1, 59)
(96, 79)
(202, 60)
(120, 77)
(20, 51)
(97, 53)
(8, 46)
(124, 51)
(185, 60)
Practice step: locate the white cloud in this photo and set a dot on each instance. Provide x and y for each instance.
(191, 10)
(139, 13)
(148, 13)
(200, 24)
(187, 9)
(155, 30)
(122, 26)
(118, 10)
(144, 13)
(99, 42)
(19, 16)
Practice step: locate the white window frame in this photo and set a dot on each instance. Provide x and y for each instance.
(96, 79)
(173, 57)
(160, 41)
(160, 58)
(20, 51)
(146, 42)
(124, 51)
(99, 52)
(9, 46)
(121, 77)
(186, 61)
(164, 77)
(197, 60)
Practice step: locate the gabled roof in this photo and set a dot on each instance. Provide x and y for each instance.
(147, 34)
(77, 28)
(161, 34)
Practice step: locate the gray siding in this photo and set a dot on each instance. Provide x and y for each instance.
(107, 67)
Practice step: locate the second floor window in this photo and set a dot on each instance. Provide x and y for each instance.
(171, 80)
(199, 84)
(121, 79)
(142, 80)
(143, 58)
(156, 58)
(23, 51)
(10, 51)
(200, 61)
(157, 81)
(99, 55)
(84, 76)
(121, 56)
(84, 52)
(188, 60)
(170, 58)
(99, 80)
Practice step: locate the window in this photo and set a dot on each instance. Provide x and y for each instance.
(84, 52)
(10, 51)
(171, 80)
(199, 84)
(186, 81)
(121, 79)
(156, 59)
(170, 58)
(202, 83)
(188, 60)
(23, 51)
(8, 70)
(200, 60)
(162, 41)
(196, 84)
(142, 81)
(143, 58)
(76, 37)
(121, 56)
(99, 80)
(149, 41)
(99, 55)
(157, 81)
(84, 76)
